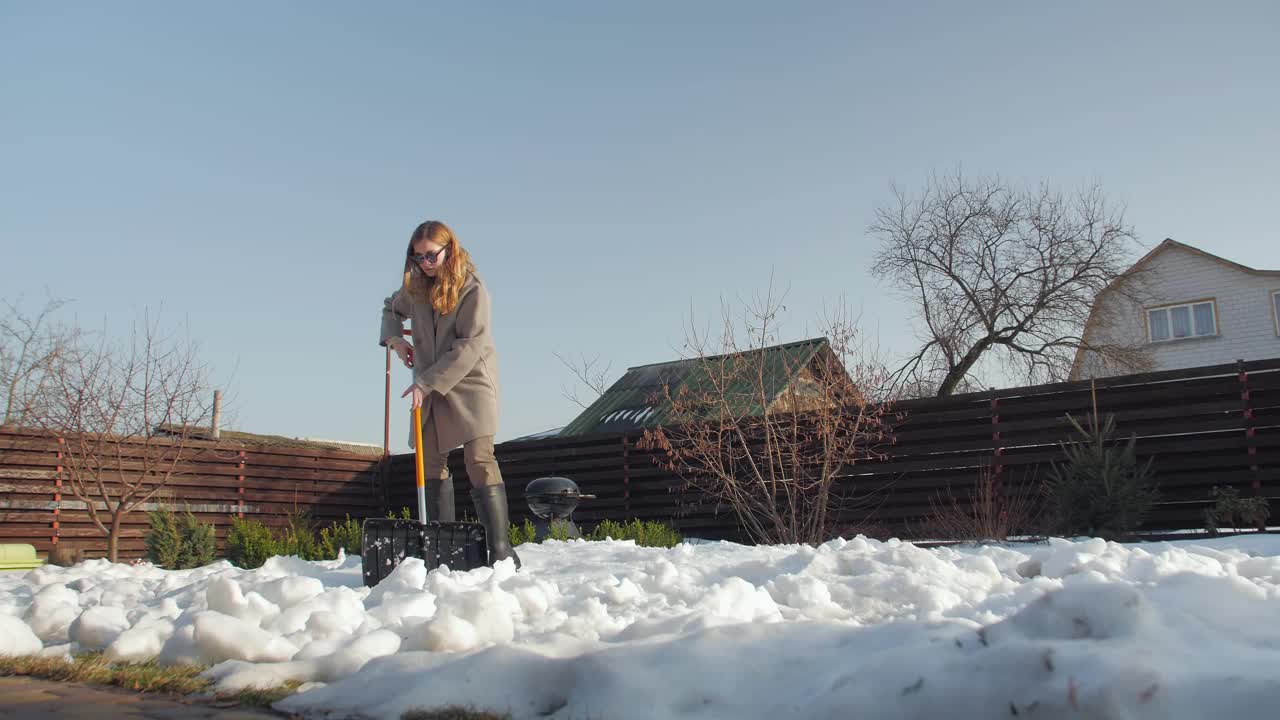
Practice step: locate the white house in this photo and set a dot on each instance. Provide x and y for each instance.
(1200, 310)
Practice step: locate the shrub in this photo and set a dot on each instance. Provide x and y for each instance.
(250, 543)
(1231, 510)
(527, 533)
(299, 537)
(199, 544)
(346, 534)
(179, 542)
(521, 534)
(995, 509)
(1101, 490)
(646, 533)
(163, 541)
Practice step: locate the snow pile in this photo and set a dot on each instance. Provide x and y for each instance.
(1068, 629)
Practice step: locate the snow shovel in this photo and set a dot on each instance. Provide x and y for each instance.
(386, 542)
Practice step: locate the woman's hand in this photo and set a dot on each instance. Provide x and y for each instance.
(418, 395)
(404, 351)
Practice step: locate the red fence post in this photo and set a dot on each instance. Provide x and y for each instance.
(997, 451)
(997, 467)
(626, 478)
(1252, 447)
(57, 496)
(240, 484)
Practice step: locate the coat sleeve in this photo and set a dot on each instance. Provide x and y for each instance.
(472, 328)
(395, 311)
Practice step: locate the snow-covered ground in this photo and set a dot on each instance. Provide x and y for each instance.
(609, 630)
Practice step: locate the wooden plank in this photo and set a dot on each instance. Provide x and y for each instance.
(135, 460)
(1264, 381)
(1126, 417)
(286, 462)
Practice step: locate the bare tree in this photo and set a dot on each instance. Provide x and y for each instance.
(1007, 275)
(33, 347)
(771, 433)
(127, 411)
(589, 373)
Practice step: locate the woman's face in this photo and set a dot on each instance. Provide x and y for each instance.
(428, 256)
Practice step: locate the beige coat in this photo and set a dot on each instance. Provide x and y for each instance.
(456, 365)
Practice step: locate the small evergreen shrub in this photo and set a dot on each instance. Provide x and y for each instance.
(250, 543)
(346, 534)
(179, 541)
(1231, 510)
(527, 533)
(199, 543)
(521, 534)
(299, 538)
(163, 541)
(646, 533)
(1101, 490)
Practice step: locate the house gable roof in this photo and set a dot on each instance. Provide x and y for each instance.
(1171, 244)
(636, 401)
(1166, 245)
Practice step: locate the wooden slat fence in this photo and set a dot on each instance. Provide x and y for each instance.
(1207, 426)
(216, 480)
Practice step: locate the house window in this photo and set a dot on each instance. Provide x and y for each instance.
(1275, 309)
(1175, 322)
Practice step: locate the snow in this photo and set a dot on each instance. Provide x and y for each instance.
(17, 638)
(98, 626)
(1071, 628)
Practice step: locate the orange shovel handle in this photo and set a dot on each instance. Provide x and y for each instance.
(417, 457)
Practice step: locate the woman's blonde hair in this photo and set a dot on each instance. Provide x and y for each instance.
(441, 291)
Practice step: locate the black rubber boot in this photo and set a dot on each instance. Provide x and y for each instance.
(491, 506)
(440, 505)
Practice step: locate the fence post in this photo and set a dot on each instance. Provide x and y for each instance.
(1251, 443)
(997, 467)
(57, 496)
(997, 453)
(626, 479)
(240, 484)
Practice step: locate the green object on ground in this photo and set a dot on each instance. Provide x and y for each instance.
(19, 556)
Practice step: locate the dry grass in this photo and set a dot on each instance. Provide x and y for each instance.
(148, 677)
(183, 680)
(144, 677)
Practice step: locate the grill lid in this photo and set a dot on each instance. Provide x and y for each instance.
(553, 496)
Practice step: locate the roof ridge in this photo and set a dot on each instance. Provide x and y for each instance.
(817, 341)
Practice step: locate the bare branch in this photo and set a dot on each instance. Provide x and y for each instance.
(126, 411)
(771, 432)
(32, 348)
(588, 373)
(1003, 274)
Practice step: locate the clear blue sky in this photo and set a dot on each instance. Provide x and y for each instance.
(256, 167)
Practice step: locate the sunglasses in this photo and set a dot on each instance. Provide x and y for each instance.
(430, 257)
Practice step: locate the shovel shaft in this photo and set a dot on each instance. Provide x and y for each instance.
(417, 458)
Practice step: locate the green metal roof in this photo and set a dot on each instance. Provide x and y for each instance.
(636, 401)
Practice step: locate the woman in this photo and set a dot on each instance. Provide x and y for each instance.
(455, 369)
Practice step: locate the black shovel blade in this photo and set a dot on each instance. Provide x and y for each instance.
(386, 542)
